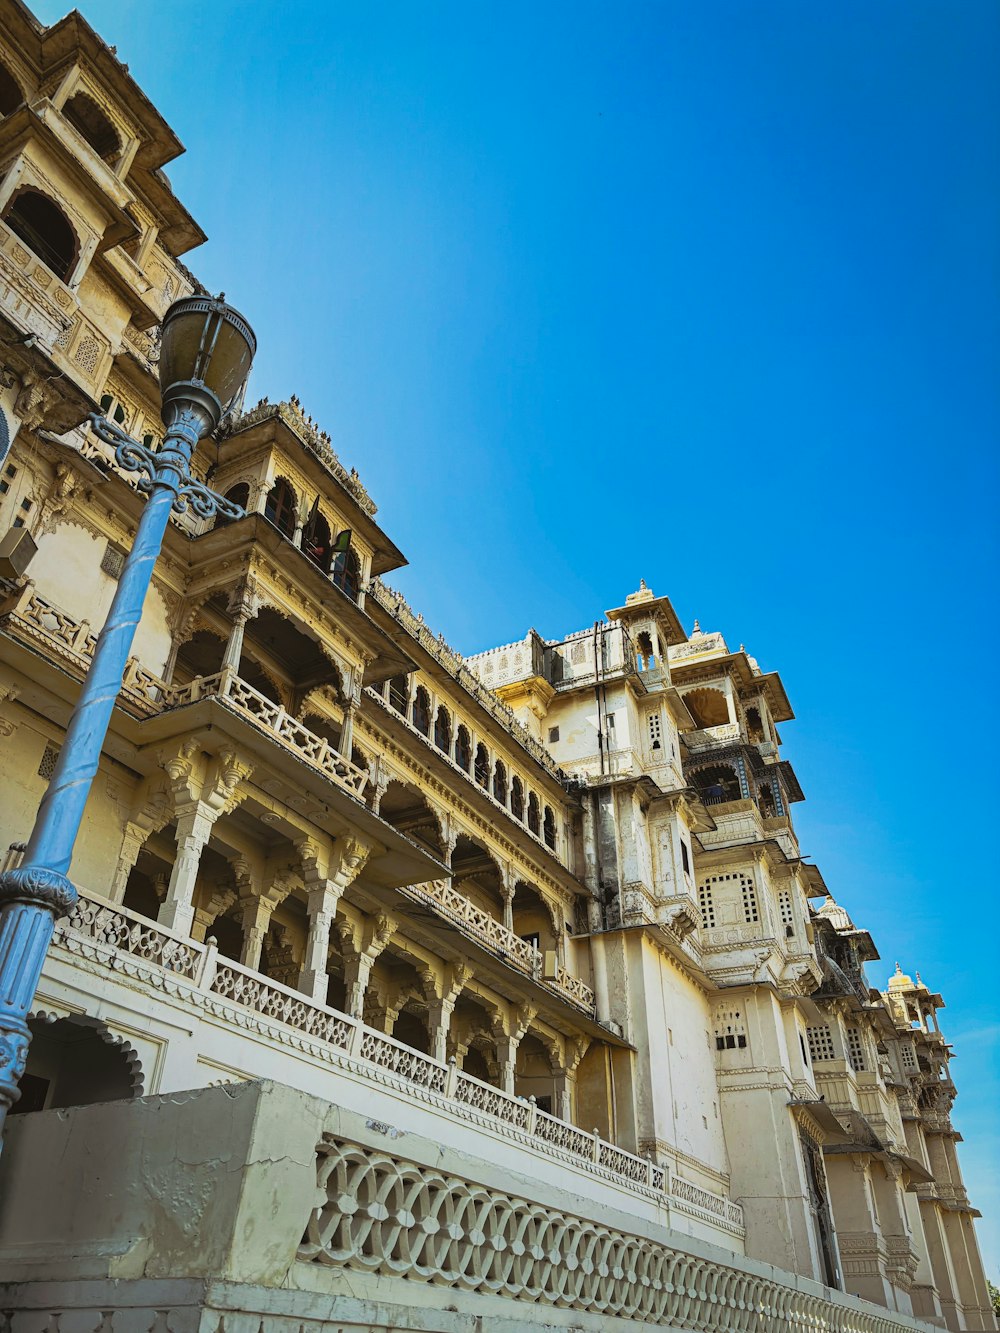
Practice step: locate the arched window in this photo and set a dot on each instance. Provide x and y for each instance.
(549, 828)
(399, 693)
(463, 749)
(534, 814)
(44, 229)
(482, 765)
(11, 96)
(442, 729)
(316, 540)
(112, 408)
(237, 495)
(280, 506)
(346, 573)
(92, 124)
(755, 728)
(718, 784)
(422, 711)
(644, 652)
(500, 782)
(517, 798)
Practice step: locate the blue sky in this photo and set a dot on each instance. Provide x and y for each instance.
(704, 293)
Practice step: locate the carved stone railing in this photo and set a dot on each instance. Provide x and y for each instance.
(454, 905)
(487, 929)
(705, 1200)
(129, 933)
(705, 737)
(121, 941)
(33, 620)
(444, 1230)
(454, 664)
(243, 699)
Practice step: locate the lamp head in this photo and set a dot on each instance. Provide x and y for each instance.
(205, 355)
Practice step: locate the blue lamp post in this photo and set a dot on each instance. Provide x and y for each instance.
(205, 357)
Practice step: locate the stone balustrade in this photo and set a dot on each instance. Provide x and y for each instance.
(243, 699)
(444, 898)
(122, 942)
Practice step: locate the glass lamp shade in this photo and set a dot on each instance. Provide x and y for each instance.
(208, 344)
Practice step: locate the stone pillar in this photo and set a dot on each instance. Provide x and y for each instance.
(442, 995)
(362, 945)
(321, 905)
(194, 827)
(255, 919)
(940, 1260)
(507, 893)
(507, 1033)
(564, 1080)
(133, 840)
(357, 973)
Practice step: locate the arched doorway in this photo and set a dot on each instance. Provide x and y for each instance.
(76, 1061)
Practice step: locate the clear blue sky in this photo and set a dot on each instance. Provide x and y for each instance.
(705, 293)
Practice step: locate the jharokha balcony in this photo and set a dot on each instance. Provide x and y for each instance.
(168, 711)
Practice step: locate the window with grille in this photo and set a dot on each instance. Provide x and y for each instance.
(730, 1030)
(707, 905)
(48, 764)
(785, 912)
(820, 1041)
(909, 1059)
(750, 911)
(856, 1050)
(113, 561)
(655, 725)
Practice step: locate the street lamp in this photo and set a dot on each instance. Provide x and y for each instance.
(205, 356)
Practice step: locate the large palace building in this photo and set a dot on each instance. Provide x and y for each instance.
(405, 990)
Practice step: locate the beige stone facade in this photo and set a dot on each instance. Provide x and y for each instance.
(500, 980)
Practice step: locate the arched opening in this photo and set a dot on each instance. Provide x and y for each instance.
(532, 918)
(76, 1061)
(708, 707)
(142, 895)
(280, 506)
(766, 802)
(475, 1064)
(442, 729)
(463, 749)
(327, 727)
(261, 680)
(346, 573)
(482, 770)
(534, 814)
(237, 495)
(645, 656)
(292, 659)
(533, 1073)
(500, 782)
(517, 798)
(549, 828)
(717, 784)
(200, 656)
(44, 229)
(228, 935)
(408, 811)
(421, 716)
(399, 694)
(317, 542)
(92, 124)
(11, 96)
(755, 727)
(411, 1028)
(112, 408)
(477, 876)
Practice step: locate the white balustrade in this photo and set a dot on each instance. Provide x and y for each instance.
(129, 933)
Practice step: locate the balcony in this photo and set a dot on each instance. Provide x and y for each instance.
(115, 942)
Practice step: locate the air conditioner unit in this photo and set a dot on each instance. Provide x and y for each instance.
(17, 549)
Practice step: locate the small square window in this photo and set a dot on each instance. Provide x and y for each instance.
(25, 505)
(553, 734)
(114, 561)
(18, 523)
(48, 764)
(4, 487)
(10, 470)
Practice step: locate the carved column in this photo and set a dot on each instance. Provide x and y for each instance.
(355, 686)
(442, 995)
(507, 1033)
(243, 606)
(255, 918)
(507, 893)
(194, 827)
(574, 1050)
(327, 873)
(362, 945)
